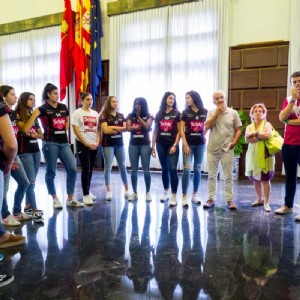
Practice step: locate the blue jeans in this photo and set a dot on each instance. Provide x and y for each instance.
(2, 231)
(291, 161)
(135, 152)
(31, 164)
(19, 175)
(169, 166)
(198, 152)
(108, 155)
(53, 151)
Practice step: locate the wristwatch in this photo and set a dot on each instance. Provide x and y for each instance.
(293, 101)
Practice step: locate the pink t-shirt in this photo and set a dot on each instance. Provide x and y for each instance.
(292, 132)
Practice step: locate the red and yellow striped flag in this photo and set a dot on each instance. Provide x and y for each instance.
(82, 46)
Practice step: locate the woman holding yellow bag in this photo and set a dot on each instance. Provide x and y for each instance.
(260, 165)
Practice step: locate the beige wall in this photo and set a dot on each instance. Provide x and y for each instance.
(251, 21)
(254, 21)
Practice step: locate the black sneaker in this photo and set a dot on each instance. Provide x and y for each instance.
(6, 279)
(28, 211)
(37, 217)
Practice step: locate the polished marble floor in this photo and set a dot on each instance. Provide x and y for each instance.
(121, 250)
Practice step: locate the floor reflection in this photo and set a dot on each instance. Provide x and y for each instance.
(139, 250)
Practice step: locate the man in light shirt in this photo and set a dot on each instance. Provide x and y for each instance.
(225, 130)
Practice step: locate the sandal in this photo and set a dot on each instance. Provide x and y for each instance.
(257, 203)
(267, 207)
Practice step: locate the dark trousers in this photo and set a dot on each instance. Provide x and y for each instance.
(87, 160)
(291, 161)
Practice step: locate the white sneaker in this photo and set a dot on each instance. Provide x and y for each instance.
(164, 198)
(22, 217)
(87, 200)
(108, 196)
(126, 194)
(185, 201)
(196, 199)
(283, 210)
(173, 201)
(132, 197)
(74, 203)
(10, 221)
(148, 197)
(37, 217)
(92, 196)
(57, 203)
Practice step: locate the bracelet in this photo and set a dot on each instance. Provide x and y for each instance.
(292, 101)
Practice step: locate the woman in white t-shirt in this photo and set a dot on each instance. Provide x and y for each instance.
(86, 128)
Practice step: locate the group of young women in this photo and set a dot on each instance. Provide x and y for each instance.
(169, 126)
(92, 129)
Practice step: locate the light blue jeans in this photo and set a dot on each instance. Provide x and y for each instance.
(197, 151)
(135, 152)
(19, 175)
(108, 155)
(2, 231)
(31, 164)
(52, 152)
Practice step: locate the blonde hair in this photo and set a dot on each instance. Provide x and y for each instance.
(262, 106)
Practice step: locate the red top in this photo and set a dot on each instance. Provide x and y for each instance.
(292, 132)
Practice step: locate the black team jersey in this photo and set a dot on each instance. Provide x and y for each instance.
(141, 137)
(54, 121)
(110, 140)
(194, 125)
(167, 127)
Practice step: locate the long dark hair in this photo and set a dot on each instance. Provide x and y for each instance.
(196, 98)
(106, 109)
(22, 107)
(4, 89)
(144, 106)
(163, 104)
(49, 87)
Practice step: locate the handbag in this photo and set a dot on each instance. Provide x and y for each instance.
(274, 143)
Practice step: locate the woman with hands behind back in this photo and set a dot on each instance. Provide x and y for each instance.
(166, 136)
(85, 123)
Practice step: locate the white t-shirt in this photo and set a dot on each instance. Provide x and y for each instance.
(87, 121)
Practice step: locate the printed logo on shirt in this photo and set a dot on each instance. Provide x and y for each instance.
(89, 121)
(59, 123)
(136, 125)
(196, 126)
(166, 125)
